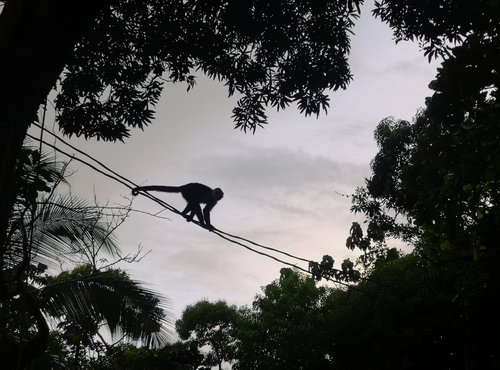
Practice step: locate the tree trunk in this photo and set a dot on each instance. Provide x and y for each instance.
(36, 40)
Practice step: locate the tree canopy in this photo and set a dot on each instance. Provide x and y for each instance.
(435, 181)
(46, 233)
(210, 324)
(285, 329)
(268, 52)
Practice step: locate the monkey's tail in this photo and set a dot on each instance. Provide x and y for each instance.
(166, 189)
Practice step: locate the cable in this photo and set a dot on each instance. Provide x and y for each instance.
(264, 247)
(79, 160)
(123, 181)
(117, 177)
(220, 234)
(108, 172)
(85, 154)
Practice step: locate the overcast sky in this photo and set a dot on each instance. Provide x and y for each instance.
(280, 184)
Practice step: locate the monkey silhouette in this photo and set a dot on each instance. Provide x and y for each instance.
(194, 194)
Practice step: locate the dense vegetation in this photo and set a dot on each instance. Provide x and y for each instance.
(435, 185)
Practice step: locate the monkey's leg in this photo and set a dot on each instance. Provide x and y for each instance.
(188, 209)
(199, 215)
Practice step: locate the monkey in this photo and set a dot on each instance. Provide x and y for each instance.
(194, 194)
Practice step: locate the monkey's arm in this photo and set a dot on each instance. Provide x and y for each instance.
(166, 189)
(206, 215)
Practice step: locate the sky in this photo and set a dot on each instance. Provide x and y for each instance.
(281, 184)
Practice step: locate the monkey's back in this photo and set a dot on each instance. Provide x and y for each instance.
(196, 192)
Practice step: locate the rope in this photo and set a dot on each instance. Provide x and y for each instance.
(111, 174)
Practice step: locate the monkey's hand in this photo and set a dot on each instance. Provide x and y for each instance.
(135, 191)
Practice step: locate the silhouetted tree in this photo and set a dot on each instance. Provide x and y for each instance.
(286, 328)
(174, 356)
(435, 181)
(402, 317)
(46, 231)
(210, 324)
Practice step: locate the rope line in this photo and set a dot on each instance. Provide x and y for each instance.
(131, 185)
(85, 154)
(264, 247)
(119, 177)
(221, 235)
(79, 160)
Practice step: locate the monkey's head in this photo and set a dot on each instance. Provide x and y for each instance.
(218, 194)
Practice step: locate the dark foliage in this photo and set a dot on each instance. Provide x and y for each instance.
(175, 356)
(407, 317)
(436, 182)
(440, 24)
(286, 327)
(210, 326)
(268, 52)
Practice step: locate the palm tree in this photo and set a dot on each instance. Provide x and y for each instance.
(47, 230)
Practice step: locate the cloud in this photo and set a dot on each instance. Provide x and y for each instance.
(294, 171)
(406, 67)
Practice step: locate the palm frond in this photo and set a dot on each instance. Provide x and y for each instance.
(111, 298)
(47, 228)
(68, 226)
